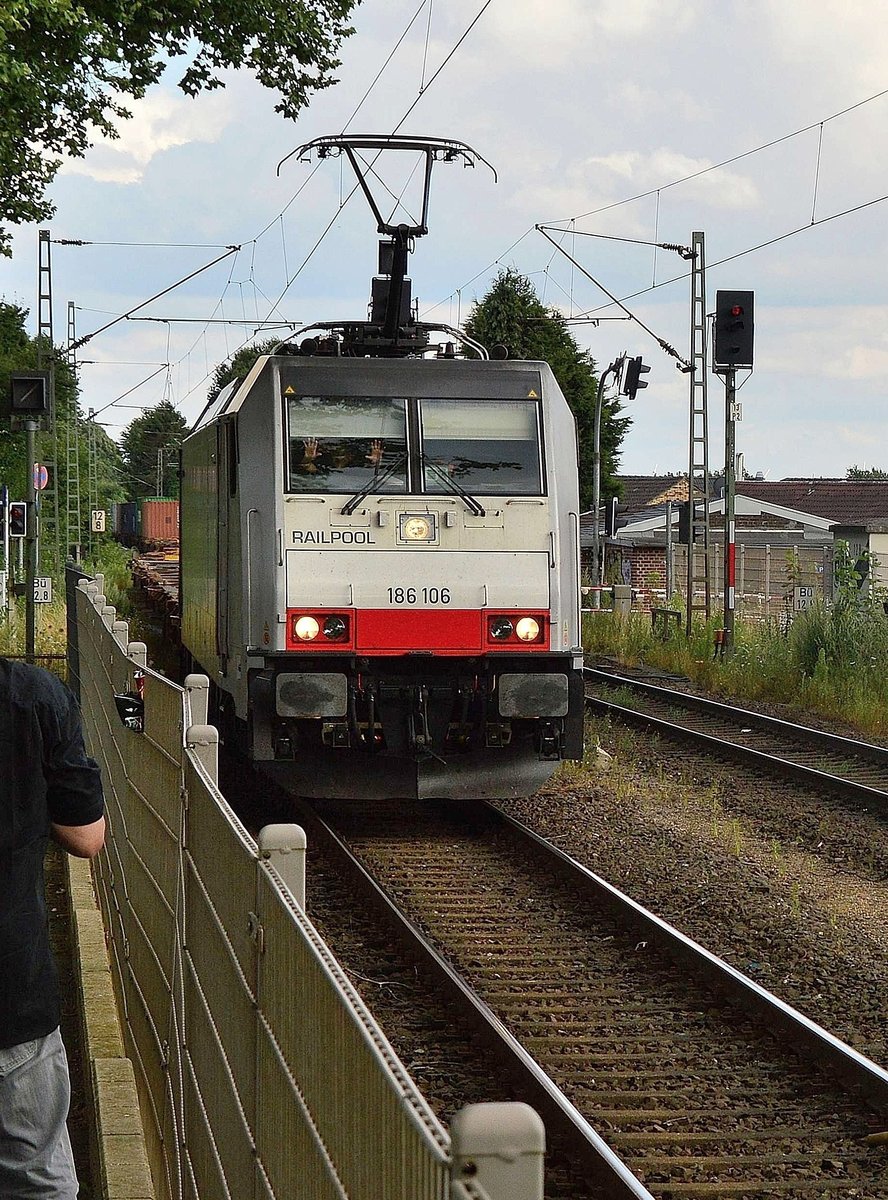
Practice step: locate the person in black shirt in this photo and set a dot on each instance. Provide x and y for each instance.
(48, 788)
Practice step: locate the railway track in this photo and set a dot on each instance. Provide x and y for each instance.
(826, 761)
(666, 1071)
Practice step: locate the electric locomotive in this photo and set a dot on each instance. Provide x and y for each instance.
(380, 561)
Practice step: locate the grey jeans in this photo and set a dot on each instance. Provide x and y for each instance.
(35, 1151)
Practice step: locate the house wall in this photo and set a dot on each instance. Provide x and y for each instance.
(878, 547)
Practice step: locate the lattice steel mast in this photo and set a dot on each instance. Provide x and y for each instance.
(698, 462)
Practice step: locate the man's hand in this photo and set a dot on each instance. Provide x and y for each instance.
(83, 841)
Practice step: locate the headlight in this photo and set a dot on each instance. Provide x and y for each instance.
(527, 629)
(334, 628)
(306, 629)
(417, 527)
(500, 628)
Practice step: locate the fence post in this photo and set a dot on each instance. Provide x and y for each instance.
(120, 629)
(198, 689)
(497, 1151)
(768, 579)
(203, 740)
(284, 847)
(138, 652)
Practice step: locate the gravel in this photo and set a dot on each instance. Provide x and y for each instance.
(689, 846)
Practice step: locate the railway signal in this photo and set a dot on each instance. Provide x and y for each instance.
(632, 381)
(18, 519)
(29, 393)
(733, 331)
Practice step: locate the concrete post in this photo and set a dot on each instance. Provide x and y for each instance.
(497, 1151)
(622, 599)
(203, 740)
(138, 652)
(198, 689)
(284, 847)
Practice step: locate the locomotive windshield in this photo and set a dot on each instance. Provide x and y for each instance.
(488, 447)
(347, 444)
(359, 445)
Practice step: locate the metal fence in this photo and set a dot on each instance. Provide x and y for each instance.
(765, 576)
(262, 1074)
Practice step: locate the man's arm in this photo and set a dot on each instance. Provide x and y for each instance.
(84, 841)
(73, 783)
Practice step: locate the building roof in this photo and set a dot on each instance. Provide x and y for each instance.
(842, 501)
(641, 491)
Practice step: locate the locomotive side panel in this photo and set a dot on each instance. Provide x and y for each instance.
(198, 555)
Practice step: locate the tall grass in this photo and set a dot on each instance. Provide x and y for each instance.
(113, 561)
(831, 660)
(50, 620)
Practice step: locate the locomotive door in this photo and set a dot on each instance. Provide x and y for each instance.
(226, 486)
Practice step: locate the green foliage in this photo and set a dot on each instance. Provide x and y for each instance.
(112, 560)
(831, 659)
(866, 473)
(68, 66)
(238, 366)
(18, 352)
(150, 446)
(512, 315)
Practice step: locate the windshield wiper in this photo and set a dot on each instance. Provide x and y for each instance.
(350, 505)
(471, 503)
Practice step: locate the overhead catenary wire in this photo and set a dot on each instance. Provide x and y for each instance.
(291, 279)
(719, 262)
(675, 183)
(682, 363)
(725, 162)
(123, 316)
(129, 391)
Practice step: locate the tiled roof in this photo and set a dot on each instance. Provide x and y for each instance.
(845, 501)
(641, 491)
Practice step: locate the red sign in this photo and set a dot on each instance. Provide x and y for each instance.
(41, 477)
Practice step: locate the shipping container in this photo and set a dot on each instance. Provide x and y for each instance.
(125, 520)
(160, 522)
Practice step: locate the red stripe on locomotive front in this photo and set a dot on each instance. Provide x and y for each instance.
(377, 631)
(387, 630)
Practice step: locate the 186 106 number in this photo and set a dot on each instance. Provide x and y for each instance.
(425, 595)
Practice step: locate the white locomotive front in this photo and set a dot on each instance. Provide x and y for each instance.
(380, 562)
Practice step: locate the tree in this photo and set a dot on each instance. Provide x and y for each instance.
(67, 67)
(865, 473)
(150, 446)
(512, 315)
(238, 366)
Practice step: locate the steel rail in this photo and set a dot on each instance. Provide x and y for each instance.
(812, 776)
(814, 1045)
(865, 750)
(805, 1035)
(558, 1112)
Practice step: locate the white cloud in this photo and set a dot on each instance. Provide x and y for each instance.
(162, 121)
(722, 188)
(548, 33)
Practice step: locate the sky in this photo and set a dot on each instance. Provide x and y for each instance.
(606, 119)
